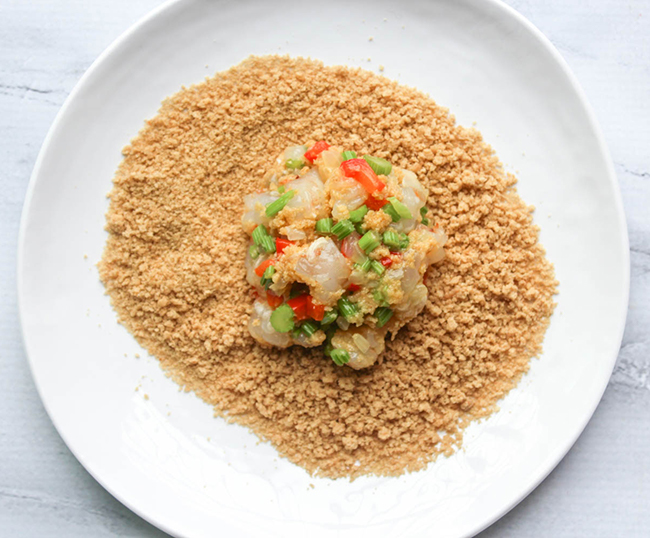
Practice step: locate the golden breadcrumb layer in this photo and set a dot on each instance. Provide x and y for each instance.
(174, 266)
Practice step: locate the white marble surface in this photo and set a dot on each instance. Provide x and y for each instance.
(601, 488)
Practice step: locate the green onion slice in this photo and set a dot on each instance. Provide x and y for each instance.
(309, 327)
(342, 229)
(347, 308)
(340, 356)
(259, 233)
(366, 265)
(253, 251)
(282, 318)
(392, 239)
(381, 166)
(324, 226)
(347, 155)
(377, 267)
(294, 164)
(267, 277)
(356, 215)
(404, 241)
(369, 242)
(268, 244)
(383, 314)
(400, 208)
(390, 210)
(278, 205)
(329, 317)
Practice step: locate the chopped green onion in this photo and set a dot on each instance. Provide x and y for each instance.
(356, 216)
(281, 189)
(400, 208)
(423, 214)
(369, 242)
(377, 267)
(403, 241)
(379, 295)
(267, 277)
(329, 317)
(294, 164)
(327, 350)
(347, 155)
(253, 251)
(296, 332)
(340, 356)
(381, 166)
(359, 228)
(309, 327)
(390, 210)
(324, 226)
(277, 205)
(342, 229)
(347, 308)
(391, 239)
(282, 318)
(383, 314)
(268, 244)
(258, 234)
(366, 265)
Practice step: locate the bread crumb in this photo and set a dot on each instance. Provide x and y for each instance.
(371, 38)
(381, 67)
(173, 267)
(146, 396)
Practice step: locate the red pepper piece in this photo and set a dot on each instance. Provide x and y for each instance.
(360, 170)
(281, 244)
(299, 307)
(259, 270)
(315, 311)
(386, 261)
(273, 299)
(353, 287)
(375, 204)
(316, 150)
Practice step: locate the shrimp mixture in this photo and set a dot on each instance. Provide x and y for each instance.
(339, 249)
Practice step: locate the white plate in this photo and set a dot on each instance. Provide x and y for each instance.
(193, 475)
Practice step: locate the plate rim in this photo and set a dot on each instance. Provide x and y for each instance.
(506, 11)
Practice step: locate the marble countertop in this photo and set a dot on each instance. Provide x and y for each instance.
(602, 486)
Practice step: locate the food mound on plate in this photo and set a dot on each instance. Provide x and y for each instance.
(339, 248)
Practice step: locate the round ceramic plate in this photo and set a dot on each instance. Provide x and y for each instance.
(160, 451)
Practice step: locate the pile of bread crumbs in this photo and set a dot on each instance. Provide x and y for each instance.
(174, 267)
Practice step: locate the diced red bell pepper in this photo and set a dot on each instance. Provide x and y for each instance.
(299, 307)
(281, 244)
(360, 170)
(386, 261)
(375, 203)
(353, 287)
(315, 311)
(316, 150)
(259, 270)
(273, 299)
